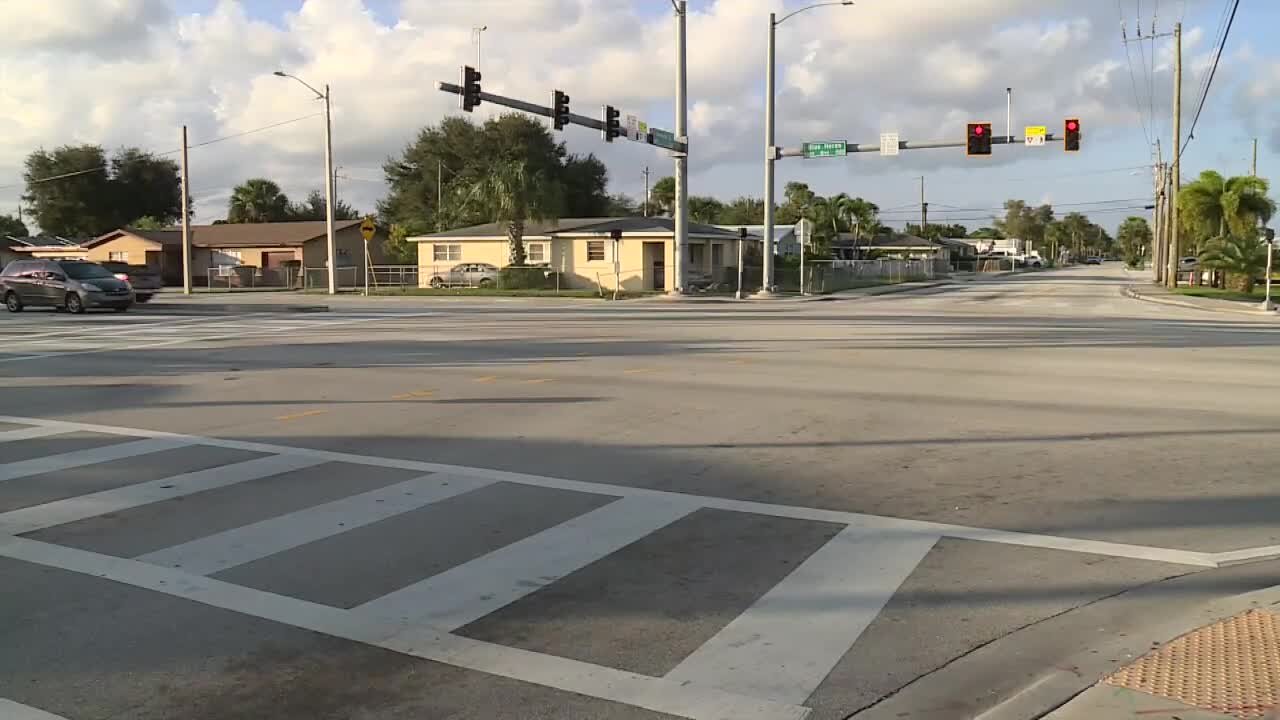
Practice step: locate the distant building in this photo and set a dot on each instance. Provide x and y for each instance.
(785, 241)
(902, 245)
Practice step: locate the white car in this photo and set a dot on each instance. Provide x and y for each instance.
(1188, 263)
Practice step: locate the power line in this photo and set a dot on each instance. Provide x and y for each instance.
(224, 138)
(1209, 82)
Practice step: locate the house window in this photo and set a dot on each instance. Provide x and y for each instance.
(697, 253)
(228, 257)
(118, 256)
(536, 253)
(446, 253)
(595, 251)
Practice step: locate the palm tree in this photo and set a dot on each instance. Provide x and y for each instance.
(1212, 206)
(1242, 257)
(257, 201)
(513, 194)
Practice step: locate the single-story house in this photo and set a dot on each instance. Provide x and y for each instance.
(268, 248)
(581, 250)
(895, 244)
(785, 241)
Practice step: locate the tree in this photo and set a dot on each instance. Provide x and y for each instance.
(11, 226)
(986, 233)
(1134, 236)
(1242, 257)
(586, 182)
(662, 196)
(398, 247)
(425, 171)
(257, 200)
(143, 185)
(1075, 230)
(76, 191)
(622, 206)
(1025, 223)
(743, 211)
(148, 223)
(512, 193)
(313, 208)
(1212, 206)
(705, 209)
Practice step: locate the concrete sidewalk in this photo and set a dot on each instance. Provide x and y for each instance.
(1161, 296)
(1220, 671)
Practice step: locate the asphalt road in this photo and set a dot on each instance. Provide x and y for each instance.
(575, 509)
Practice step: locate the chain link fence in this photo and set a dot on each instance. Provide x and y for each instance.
(228, 278)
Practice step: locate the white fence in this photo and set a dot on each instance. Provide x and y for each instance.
(314, 278)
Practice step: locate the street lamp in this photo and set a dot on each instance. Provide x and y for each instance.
(770, 150)
(328, 175)
(475, 35)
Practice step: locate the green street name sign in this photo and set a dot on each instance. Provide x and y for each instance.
(663, 138)
(825, 149)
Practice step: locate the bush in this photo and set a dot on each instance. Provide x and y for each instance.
(525, 278)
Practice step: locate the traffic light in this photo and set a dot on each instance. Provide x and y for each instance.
(559, 109)
(470, 88)
(1071, 135)
(612, 126)
(979, 139)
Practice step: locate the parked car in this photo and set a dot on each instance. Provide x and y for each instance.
(145, 282)
(481, 275)
(1093, 260)
(75, 285)
(1189, 263)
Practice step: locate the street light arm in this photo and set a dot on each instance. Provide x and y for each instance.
(676, 6)
(803, 9)
(283, 74)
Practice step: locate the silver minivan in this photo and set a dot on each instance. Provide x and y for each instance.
(75, 285)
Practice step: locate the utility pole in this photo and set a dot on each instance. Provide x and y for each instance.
(681, 219)
(439, 195)
(186, 219)
(329, 193)
(770, 155)
(924, 210)
(646, 190)
(1175, 181)
(1158, 225)
(1253, 166)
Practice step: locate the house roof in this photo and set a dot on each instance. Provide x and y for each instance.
(903, 240)
(231, 235)
(569, 226)
(756, 232)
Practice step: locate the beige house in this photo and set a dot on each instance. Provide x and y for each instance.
(272, 252)
(582, 250)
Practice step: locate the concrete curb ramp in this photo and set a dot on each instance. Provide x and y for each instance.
(1136, 294)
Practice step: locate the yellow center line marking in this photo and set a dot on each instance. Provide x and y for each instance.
(414, 395)
(539, 381)
(486, 379)
(295, 416)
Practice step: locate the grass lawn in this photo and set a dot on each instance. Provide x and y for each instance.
(1257, 296)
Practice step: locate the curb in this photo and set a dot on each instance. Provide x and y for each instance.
(874, 291)
(207, 309)
(1133, 294)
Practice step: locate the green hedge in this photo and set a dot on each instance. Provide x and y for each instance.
(525, 278)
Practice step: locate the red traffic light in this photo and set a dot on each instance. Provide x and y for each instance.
(977, 130)
(1072, 125)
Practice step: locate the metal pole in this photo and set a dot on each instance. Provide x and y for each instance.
(802, 225)
(646, 191)
(1253, 166)
(1175, 252)
(1271, 251)
(770, 157)
(1008, 114)
(1157, 226)
(742, 239)
(186, 218)
(924, 211)
(328, 189)
(439, 195)
(681, 215)
(366, 268)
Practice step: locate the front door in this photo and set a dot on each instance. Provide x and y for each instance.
(659, 273)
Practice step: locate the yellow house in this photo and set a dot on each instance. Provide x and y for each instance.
(583, 252)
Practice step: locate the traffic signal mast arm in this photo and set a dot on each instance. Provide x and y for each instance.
(851, 148)
(544, 111)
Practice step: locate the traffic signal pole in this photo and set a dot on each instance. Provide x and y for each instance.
(681, 214)
(851, 148)
(573, 119)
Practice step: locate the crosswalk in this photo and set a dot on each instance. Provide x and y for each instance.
(408, 555)
(42, 335)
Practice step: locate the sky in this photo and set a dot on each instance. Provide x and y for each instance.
(133, 72)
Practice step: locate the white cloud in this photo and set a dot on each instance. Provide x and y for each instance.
(132, 72)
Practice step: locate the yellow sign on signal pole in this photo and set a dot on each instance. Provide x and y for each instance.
(1034, 135)
(368, 228)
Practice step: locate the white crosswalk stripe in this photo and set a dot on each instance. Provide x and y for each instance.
(764, 663)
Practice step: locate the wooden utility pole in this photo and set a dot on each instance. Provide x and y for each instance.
(1175, 180)
(1157, 227)
(186, 218)
(1253, 166)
